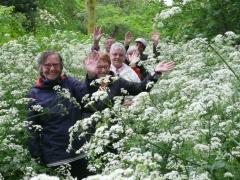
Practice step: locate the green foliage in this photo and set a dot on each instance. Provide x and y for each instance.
(61, 15)
(26, 7)
(205, 18)
(116, 21)
(11, 24)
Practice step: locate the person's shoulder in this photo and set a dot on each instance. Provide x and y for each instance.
(72, 80)
(73, 83)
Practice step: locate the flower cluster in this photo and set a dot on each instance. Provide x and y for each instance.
(187, 127)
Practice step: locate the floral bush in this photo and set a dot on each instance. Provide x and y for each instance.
(186, 127)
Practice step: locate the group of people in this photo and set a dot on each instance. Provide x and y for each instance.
(132, 54)
(49, 129)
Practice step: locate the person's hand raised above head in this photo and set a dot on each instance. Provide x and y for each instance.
(90, 63)
(164, 66)
(97, 34)
(128, 38)
(155, 37)
(133, 58)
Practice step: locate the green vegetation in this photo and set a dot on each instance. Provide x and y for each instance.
(187, 127)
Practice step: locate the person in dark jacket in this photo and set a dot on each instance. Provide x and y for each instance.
(56, 106)
(101, 63)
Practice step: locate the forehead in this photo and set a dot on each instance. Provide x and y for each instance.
(133, 49)
(109, 40)
(117, 51)
(139, 43)
(53, 58)
(102, 63)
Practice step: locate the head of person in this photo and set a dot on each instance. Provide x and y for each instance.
(141, 44)
(132, 50)
(108, 43)
(50, 65)
(117, 54)
(103, 65)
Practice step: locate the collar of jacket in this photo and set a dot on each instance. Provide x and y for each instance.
(43, 83)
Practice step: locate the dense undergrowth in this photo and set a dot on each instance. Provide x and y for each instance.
(187, 127)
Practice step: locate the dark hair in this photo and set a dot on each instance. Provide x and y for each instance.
(45, 55)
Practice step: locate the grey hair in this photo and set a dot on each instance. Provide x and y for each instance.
(118, 45)
(131, 49)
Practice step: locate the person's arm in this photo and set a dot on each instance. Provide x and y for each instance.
(97, 34)
(33, 123)
(127, 40)
(136, 88)
(155, 39)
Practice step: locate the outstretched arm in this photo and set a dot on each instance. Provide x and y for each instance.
(135, 88)
(164, 66)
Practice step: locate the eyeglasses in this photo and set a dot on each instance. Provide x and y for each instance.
(48, 66)
(103, 67)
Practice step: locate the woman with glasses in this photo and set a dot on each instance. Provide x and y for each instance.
(55, 107)
(101, 63)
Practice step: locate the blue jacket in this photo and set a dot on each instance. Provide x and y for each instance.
(50, 144)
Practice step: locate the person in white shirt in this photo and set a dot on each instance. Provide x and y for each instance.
(118, 67)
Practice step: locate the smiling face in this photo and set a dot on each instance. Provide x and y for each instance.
(117, 56)
(103, 69)
(103, 65)
(51, 67)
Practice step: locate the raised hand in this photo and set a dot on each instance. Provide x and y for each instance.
(133, 58)
(165, 66)
(128, 38)
(155, 37)
(90, 63)
(97, 34)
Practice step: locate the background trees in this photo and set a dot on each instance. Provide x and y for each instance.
(26, 7)
(197, 104)
(181, 21)
(199, 18)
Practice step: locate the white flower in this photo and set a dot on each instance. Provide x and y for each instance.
(167, 13)
(201, 147)
(173, 175)
(99, 95)
(124, 92)
(228, 174)
(44, 177)
(37, 108)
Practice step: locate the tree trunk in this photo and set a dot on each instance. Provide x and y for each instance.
(91, 11)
